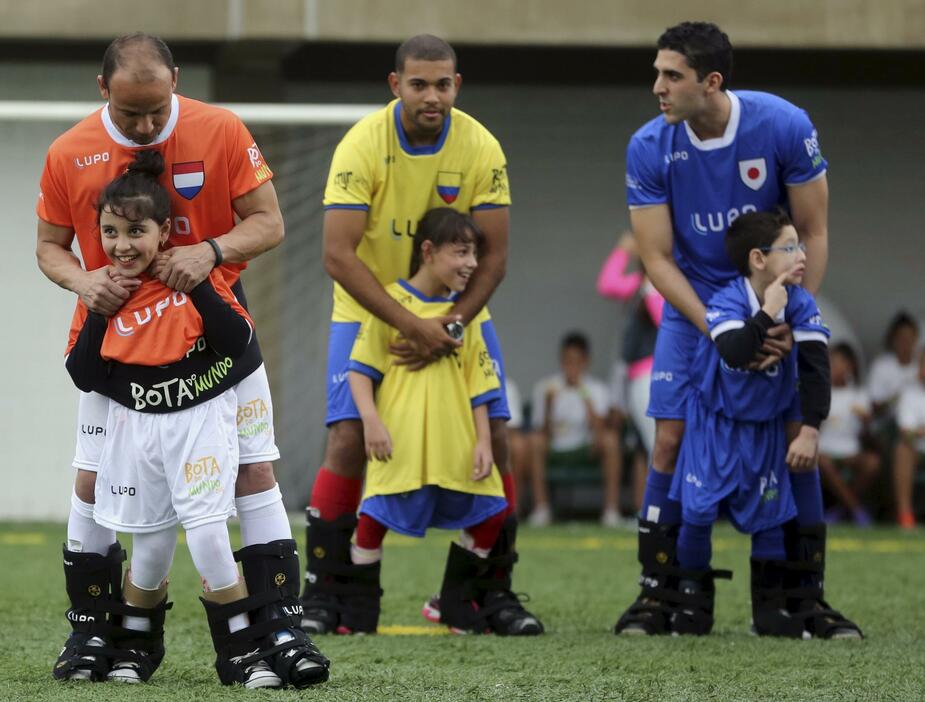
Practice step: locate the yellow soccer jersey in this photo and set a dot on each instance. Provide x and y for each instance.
(428, 412)
(375, 169)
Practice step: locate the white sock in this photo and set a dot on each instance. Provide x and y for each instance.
(83, 534)
(152, 556)
(238, 621)
(136, 623)
(365, 556)
(263, 517)
(210, 548)
(468, 543)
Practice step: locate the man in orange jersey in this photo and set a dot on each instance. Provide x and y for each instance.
(224, 211)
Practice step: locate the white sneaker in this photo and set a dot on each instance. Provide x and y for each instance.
(303, 665)
(260, 674)
(124, 671)
(540, 517)
(83, 673)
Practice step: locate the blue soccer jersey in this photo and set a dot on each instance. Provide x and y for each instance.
(741, 394)
(768, 144)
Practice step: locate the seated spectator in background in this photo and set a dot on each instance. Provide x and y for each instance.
(569, 412)
(840, 440)
(897, 368)
(910, 416)
(616, 281)
(518, 448)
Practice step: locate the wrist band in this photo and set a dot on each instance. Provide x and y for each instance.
(218, 251)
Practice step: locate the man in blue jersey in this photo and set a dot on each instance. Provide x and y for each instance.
(712, 156)
(415, 154)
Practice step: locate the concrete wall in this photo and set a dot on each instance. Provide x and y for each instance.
(786, 23)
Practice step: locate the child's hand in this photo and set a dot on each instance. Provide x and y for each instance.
(775, 295)
(482, 460)
(802, 452)
(377, 440)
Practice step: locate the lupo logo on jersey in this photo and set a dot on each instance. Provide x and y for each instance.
(124, 328)
(448, 184)
(188, 178)
(717, 221)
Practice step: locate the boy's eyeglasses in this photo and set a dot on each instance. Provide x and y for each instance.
(789, 249)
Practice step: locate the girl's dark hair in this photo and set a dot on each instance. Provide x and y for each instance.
(847, 351)
(900, 320)
(444, 225)
(137, 194)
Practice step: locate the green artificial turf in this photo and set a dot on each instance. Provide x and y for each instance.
(579, 578)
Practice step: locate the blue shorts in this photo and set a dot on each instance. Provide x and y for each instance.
(411, 513)
(671, 386)
(340, 345)
(741, 464)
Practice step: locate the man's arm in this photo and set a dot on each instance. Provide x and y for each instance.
(495, 224)
(342, 234)
(654, 237)
(260, 229)
(809, 209)
(99, 292)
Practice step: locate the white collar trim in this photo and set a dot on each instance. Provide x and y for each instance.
(732, 126)
(755, 305)
(123, 140)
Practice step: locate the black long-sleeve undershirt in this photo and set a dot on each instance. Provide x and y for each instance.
(205, 372)
(815, 381)
(738, 348)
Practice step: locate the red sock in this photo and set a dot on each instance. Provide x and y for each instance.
(510, 493)
(333, 495)
(370, 533)
(484, 534)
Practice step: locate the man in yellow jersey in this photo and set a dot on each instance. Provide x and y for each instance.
(394, 165)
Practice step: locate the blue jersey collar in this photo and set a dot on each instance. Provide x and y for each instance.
(425, 298)
(418, 150)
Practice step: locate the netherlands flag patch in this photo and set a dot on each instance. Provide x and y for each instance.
(188, 178)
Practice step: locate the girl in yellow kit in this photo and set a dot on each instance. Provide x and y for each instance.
(426, 432)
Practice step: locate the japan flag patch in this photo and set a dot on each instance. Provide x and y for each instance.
(753, 172)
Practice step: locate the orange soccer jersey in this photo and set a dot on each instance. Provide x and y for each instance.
(157, 325)
(210, 158)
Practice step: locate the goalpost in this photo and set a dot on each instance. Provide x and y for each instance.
(288, 293)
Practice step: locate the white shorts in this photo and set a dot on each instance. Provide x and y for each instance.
(256, 439)
(160, 469)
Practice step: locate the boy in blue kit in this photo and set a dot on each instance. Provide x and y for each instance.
(735, 451)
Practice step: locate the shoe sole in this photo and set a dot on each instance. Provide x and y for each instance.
(633, 631)
(846, 636)
(127, 679)
(262, 681)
